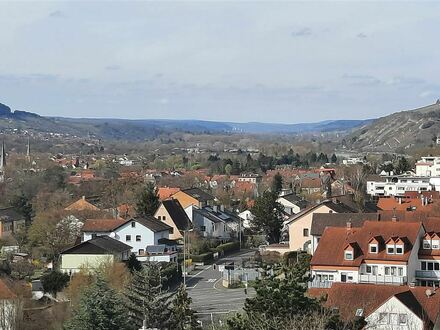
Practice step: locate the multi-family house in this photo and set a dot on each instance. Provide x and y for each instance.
(378, 252)
(138, 233)
(383, 306)
(299, 225)
(428, 166)
(215, 222)
(320, 221)
(398, 185)
(172, 213)
(91, 253)
(193, 196)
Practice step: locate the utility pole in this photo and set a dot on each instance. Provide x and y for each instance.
(184, 259)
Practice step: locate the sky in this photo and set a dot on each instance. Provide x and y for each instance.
(280, 62)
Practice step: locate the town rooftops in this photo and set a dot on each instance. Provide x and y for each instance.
(350, 297)
(198, 194)
(404, 203)
(322, 220)
(99, 245)
(330, 251)
(81, 205)
(177, 213)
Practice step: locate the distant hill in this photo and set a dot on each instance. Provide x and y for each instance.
(144, 129)
(399, 131)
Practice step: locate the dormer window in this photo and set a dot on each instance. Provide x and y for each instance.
(374, 248)
(348, 255)
(399, 249)
(427, 244)
(390, 249)
(435, 244)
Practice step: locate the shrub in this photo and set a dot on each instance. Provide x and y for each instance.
(204, 257)
(228, 247)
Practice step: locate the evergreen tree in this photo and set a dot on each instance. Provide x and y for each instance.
(145, 299)
(268, 216)
(183, 317)
(402, 166)
(277, 183)
(133, 264)
(99, 308)
(334, 159)
(147, 201)
(24, 207)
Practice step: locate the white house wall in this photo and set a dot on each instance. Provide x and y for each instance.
(393, 306)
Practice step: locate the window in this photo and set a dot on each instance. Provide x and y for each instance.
(348, 255)
(141, 251)
(430, 266)
(399, 249)
(306, 232)
(394, 318)
(128, 238)
(400, 269)
(368, 269)
(387, 270)
(383, 318)
(138, 238)
(94, 236)
(436, 266)
(373, 248)
(423, 265)
(202, 228)
(435, 244)
(390, 249)
(426, 244)
(133, 224)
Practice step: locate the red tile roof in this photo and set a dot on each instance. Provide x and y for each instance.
(81, 205)
(166, 192)
(331, 246)
(349, 297)
(402, 204)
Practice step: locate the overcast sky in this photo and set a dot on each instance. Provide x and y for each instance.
(249, 61)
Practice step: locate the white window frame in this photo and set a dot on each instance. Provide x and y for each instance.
(427, 244)
(400, 246)
(383, 318)
(374, 245)
(391, 246)
(348, 253)
(435, 243)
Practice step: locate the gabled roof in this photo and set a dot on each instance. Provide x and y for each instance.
(322, 220)
(349, 297)
(102, 225)
(166, 192)
(198, 194)
(177, 214)
(81, 205)
(99, 245)
(330, 251)
(152, 223)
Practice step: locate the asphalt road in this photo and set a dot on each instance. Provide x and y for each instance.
(209, 298)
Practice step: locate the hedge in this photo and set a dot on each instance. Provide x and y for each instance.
(228, 247)
(204, 257)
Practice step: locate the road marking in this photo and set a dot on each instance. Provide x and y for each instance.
(211, 280)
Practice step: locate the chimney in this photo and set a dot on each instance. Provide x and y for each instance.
(394, 218)
(349, 226)
(84, 198)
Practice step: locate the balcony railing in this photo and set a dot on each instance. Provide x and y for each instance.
(382, 279)
(435, 274)
(320, 284)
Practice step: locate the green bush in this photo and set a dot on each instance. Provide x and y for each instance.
(228, 247)
(204, 257)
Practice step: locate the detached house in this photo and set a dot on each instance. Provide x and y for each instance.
(193, 196)
(292, 203)
(10, 222)
(215, 222)
(92, 253)
(299, 225)
(172, 213)
(378, 252)
(138, 233)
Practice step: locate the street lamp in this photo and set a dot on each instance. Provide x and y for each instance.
(184, 256)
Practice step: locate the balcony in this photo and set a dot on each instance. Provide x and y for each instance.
(431, 274)
(382, 279)
(320, 284)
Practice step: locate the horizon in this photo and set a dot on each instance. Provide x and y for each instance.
(298, 62)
